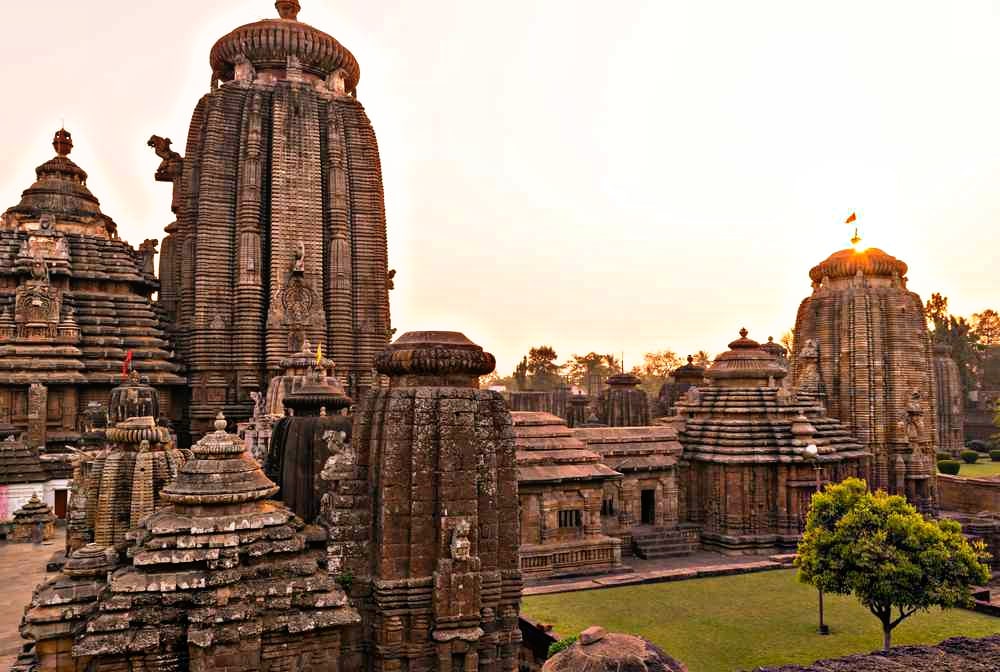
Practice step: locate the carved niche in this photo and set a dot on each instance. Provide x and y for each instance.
(37, 305)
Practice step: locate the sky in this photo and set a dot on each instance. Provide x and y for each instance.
(614, 177)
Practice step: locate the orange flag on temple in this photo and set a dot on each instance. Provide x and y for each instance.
(319, 355)
(852, 218)
(128, 360)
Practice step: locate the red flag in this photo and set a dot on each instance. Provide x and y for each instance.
(852, 218)
(125, 364)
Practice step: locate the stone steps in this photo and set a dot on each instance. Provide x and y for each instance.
(665, 544)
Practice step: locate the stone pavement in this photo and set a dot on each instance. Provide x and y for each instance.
(22, 567)
(694, 566)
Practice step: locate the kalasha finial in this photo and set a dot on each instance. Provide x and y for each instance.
(220, 422)
(690, 360)
(288, 9)
(743, 332)
(63, 142)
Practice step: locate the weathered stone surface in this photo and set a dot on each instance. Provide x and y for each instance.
(600, 651)
(958, 654)
(430, 526)
(869, 359)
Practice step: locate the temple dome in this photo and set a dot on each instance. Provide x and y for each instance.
(268, 43)
(746, 363)
(60, 190)
(847, 263)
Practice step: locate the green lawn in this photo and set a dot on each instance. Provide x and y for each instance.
(980, 468)
(740, 622)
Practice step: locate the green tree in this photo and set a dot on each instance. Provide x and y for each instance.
(936, 311)
(655, 369)
(702, 359)
(521, 374)
(987, 326)
(543, 368)
(591, 370)
(880, 549)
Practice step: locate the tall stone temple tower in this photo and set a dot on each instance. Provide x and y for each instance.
(74, 301)
(862, 343)
(280, 233)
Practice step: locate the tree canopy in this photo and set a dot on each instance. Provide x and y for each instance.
(987, 326)
(655, 369)
(880, 549)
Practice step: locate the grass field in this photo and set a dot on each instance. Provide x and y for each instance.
(981, 468)
(740, 622)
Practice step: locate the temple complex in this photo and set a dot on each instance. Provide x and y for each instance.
(747, 477)
(280, 234)
(641, 508)
(874, 365)
(950, 401)
(74, 301)
(561, 486)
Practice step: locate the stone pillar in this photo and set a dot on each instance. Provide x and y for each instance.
(444, 481)
(38, 415)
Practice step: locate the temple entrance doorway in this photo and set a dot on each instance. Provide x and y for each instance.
(60, 504)
(648, 503)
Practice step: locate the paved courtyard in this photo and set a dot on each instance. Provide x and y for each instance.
(22, 567)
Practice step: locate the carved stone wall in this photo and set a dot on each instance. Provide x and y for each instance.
(439, 456)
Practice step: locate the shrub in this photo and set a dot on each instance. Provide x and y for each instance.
(995, 455)
(944, 456)
(561, 645)
(970, 456)
(978, 446)
(950, 467)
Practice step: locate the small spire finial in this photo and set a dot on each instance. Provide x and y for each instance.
(63, 142)
(690, 359)
(743, 332)
(288, 9)
(220, 422)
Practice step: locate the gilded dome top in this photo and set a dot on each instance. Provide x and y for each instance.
(847, 263)
(268, 43)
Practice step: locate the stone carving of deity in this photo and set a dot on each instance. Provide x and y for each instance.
(299, 265)
(461, 547)
(913, 419)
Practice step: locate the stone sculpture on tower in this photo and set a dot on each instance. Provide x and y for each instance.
(280, 234)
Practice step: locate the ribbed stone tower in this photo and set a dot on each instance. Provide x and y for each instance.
(280, 234)
(443, 560)
(950, 403)
(874, 364)
(623, 404)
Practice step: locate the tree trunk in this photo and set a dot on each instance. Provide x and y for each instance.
(886, 636)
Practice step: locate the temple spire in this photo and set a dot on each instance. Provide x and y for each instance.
(63, 142)
(288, 9)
